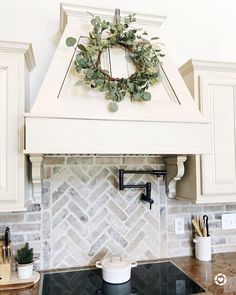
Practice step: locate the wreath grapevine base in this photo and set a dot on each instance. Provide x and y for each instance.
(141, 52)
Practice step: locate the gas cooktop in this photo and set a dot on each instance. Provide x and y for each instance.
(162, 278)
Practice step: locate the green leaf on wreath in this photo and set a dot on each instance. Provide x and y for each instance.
(82, 47)
(70, 41)
(112, 107)
(146, 96)
(137, 96)
(82, 63)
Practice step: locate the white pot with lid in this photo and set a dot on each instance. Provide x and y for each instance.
(116, 270)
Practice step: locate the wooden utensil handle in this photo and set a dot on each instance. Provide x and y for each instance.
(196, 226)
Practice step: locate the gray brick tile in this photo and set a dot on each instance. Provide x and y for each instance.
(117, 237)
(84, 217)
(79, 160)
(117, 211)
(108, 160)
(53, 160)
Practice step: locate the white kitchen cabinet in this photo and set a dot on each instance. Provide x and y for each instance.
(16, 60)
(212, 178)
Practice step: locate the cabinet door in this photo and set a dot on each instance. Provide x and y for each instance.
(218, 104)
(10, 162)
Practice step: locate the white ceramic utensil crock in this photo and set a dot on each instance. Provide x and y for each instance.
(203, 248)
(116, 270)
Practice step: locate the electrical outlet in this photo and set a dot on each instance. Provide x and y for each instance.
(179, 226)
(228, 221)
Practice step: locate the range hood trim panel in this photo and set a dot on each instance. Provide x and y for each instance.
(116, 137)
(160, 119)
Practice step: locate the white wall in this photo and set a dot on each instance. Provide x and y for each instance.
(194, 28)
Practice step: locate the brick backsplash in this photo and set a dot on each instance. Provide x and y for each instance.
(84, 217)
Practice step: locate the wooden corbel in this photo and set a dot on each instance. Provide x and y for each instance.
(37, 163)
(175, 171)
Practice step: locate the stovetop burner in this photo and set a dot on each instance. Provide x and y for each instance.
(147, 279)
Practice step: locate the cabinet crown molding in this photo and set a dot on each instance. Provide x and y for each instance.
(20, 48)
(72, 11)
(206, 65)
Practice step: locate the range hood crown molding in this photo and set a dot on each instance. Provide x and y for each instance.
(72, 13)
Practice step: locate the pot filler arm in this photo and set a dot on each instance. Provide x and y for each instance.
(145, 197)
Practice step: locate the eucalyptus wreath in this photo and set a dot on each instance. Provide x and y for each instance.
(141, 52)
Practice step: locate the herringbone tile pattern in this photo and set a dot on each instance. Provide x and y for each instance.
(91, 218)
(84, 217)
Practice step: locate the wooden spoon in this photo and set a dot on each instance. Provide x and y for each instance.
(197, 228)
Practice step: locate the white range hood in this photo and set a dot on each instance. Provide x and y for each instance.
(67, 118)
(70, 119)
